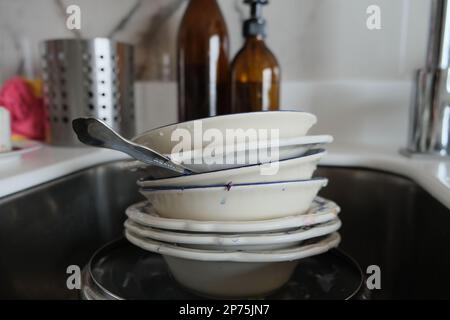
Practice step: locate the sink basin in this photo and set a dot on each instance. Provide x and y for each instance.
(391, 222)
(388, 221)
(45, 229)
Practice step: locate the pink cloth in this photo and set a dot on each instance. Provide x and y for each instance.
(28, 115)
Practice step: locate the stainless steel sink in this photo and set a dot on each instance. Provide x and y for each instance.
(389, 221)
(45, 229)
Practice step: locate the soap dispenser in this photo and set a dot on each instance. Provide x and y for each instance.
(255, 73)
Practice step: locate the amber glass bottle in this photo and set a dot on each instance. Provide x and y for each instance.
(203, 63)
(255, 73)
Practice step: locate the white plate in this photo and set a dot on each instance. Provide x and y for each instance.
(250, 155)
(321, 210)
(298, 252)
(290, 124)
(234, 240)
(19, 148)
(301, 168)
(249, 201)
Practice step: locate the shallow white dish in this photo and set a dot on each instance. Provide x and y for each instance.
(250, 154)
(253, 248)
(298, 252)
(233, 274)
(290, 124)
(321, 211)
(237, 202)
(19, 148)
(301, 168)
(234, 241)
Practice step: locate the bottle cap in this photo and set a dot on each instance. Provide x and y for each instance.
(256, 24)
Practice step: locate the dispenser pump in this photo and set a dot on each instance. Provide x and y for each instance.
(255, 73)
(256, 24)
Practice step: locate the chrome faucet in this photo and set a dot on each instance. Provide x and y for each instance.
(429, 131)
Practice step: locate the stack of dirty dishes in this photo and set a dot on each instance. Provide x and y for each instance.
(239, 226)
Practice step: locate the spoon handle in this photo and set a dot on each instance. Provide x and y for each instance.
(96, 133)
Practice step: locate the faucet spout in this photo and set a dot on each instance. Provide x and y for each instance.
(438, 54)
(429, 130)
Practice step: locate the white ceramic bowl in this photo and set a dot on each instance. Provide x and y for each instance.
(321, 211)
(290, 124)
(233, 274)
(254, 241)
(201, 161)
(237, 202)
(301, 168)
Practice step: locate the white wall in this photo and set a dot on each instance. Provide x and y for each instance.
(313, 39)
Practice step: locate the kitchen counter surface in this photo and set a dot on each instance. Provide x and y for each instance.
(432, 174)
(49, 163)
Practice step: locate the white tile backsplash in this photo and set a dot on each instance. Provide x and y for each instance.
(313, 39)
(355, 112)
(156, 104)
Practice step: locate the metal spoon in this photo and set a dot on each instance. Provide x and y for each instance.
(96, 133)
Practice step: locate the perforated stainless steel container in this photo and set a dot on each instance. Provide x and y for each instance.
(87, 78)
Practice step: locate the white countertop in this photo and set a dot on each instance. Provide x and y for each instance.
(430, 173)
(49, 163)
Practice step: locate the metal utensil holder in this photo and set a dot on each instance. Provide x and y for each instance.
(87, 78)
